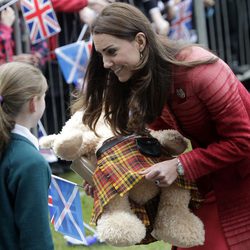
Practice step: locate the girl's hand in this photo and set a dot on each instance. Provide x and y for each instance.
(162, 173)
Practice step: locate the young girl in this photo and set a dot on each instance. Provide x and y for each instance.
(24, 173)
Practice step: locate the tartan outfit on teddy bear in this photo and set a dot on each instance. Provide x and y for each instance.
(119, 162)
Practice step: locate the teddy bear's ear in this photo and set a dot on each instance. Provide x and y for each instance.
(171, 140)
(47, 141)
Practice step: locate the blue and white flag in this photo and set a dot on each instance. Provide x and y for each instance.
(73, 60)
(181, 27)
(66, 211)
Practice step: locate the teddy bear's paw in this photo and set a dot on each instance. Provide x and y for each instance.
(67, 146)
(143, 191)
(181, 229)
(120, 229)
(47, 141)
(171, 140)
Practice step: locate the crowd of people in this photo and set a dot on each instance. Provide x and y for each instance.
(159, 14)
(160, 84)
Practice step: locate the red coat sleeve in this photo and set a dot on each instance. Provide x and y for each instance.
(228, 104)
(69, 5)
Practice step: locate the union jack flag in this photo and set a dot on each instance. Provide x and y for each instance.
(181, 26)
(40, 19)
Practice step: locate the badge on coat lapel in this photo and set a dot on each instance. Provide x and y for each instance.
(180, 93)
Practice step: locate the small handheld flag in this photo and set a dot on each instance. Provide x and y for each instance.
(73, 60)
(40, 19)
(65, 210)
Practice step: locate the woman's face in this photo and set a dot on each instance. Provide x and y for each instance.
(119, 55)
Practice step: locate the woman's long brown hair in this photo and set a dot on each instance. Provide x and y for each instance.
(129, 106)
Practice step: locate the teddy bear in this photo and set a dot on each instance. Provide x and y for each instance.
(116, 222)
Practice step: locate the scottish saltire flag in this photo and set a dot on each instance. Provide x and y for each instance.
(47, 153)
(40, 19)
(73, 60)
(66, 211)
(181, 26)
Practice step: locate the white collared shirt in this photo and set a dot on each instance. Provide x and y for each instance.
(25, 132)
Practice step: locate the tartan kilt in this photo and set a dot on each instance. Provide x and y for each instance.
(117, 172)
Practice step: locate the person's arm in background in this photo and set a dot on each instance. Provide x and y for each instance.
(7, 18)
(69, 6)
(77, 5)
(89, 13)
(170, 8)
(161, 25)
(88, 9)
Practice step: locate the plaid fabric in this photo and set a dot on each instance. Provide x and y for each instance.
(117, 172)
(140, 212)
(196, 197)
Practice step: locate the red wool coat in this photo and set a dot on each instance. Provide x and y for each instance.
(212, 108)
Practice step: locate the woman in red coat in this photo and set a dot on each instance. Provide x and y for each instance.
(142, 80)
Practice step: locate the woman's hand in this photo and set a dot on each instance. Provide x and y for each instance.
(162, 173)
(89, 190)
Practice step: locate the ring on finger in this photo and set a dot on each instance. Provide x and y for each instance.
(157, 182)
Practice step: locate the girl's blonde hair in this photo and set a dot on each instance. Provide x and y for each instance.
(19, 82)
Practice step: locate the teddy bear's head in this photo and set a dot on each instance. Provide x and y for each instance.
(77, 143)
(75, 139)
